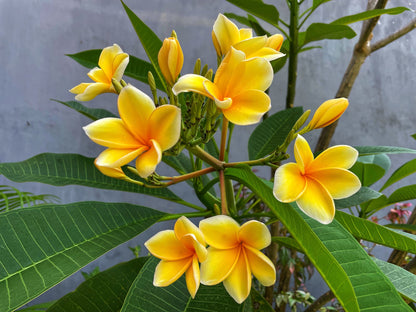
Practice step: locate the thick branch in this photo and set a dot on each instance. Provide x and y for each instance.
(383, 42)
(322, 300)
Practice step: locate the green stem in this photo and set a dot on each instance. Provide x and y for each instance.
(209, 159)
(188, 215)
(293, 53)
(188, 204)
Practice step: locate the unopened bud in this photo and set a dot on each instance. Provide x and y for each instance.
(170, 59)
(328, 112)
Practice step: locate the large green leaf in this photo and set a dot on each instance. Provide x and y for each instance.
(371, 168)
(363, 195)
(67, 169)
(403, 280)
(367, 15)
(41, 246)
(321, 31)
(137, 68)
(404, 227)
(373, 232)
(348, 270)
(104, 292)
(402, 172)
(12, 198)
(266, 12)
(373, 150)
(272, 132)
(92, 113)
(150, 42)
(404, 193)
(143, 296)
(38, 307)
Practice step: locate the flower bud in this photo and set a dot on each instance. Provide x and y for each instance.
(170, 59)
(328, 112)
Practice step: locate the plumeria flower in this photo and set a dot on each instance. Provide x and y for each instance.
(181, 250)
(234, 255)
(225, 34)
(238, 87)
(112, 63)
(170, 59)
(328, 112)
(143, 132)
(315, 183)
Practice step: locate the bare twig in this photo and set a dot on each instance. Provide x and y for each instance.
(394, 36)
(318, 303)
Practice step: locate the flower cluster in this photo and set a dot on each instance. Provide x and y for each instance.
(232, 258)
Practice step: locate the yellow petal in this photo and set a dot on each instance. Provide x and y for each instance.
(146, 163)
(248, 107)
(220, 231)
(229, 72)
(193, 277)
(111, 132)
(88, 91)
(261, 266)
(339, 156)
(170, 59)
(289, 183)
(218, 265)
(316, 202)
(224, 104)
(328, 112)
(111, 172)
(107, 58)
(184, 226)
(275, 42)
(165, 126)
(340, 183)
(135, 108)
(119, 65)
(165, 245)
(115, 158)
(245, 33)
(212, 90)
(238, 283)
(190, 242)
(303, 153)
(251, 45)
(191, 83)
(267, 53)
(98, 75)
(226, 33)
(168, 272)
(255, 234)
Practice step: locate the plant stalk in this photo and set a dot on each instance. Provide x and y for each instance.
(293, 53)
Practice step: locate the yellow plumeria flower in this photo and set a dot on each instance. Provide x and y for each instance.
(328, 112)
(143, 132)
(170, 59)
(112, 63)
(238, 87)
(181, 250)
(225, 34)
(315, 183)
(234, 255)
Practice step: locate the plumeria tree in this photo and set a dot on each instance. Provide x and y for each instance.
(213, 259)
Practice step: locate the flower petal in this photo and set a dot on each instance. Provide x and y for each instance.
(255, 234)
(115, 158)
(111, 132)
(165, 126)
(193, 277)
(238, 283)
(191, 83)
(268, 54)
(289, 183)
(190, 242)
(146, 163)
(218, 265)
(220, 231)
(339, 156)
(135, 108)
(226, 33)
(119, 65)
(184, 226)
(251, 45)
(98, 75)
(168, 272)
(340, 183)
(107, 58)
(261, 266)
(316, 202)
(245, 33)
(111, 172)
(166, 246)
(227, 72)
(88, 91)
(303, 153)
(248, 107)
(328, 112)
(275, 42)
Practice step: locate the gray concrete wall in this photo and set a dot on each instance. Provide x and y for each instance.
(36, 35)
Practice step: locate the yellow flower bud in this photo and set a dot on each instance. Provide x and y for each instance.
(170, 59)
(328, 112)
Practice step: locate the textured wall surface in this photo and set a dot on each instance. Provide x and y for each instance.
(36, 35)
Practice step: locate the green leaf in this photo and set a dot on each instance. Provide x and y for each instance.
(373, 232)
(402, 172)
(150, 42)
(287, 242)
(92, 113)
(67, 169)
(321, 31)
(137, 68)
(404, 227)
(266, 12)
(403, 280)
(104, 292)
(367, 15)
(38, 307)
(41, 246)
(374, 205)
(413, 136)
(402, 194)
(373, 150)
(317, 3)
(363, 195)
(334, 252)
(272, 132)
(143, 296)
(371, 168)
